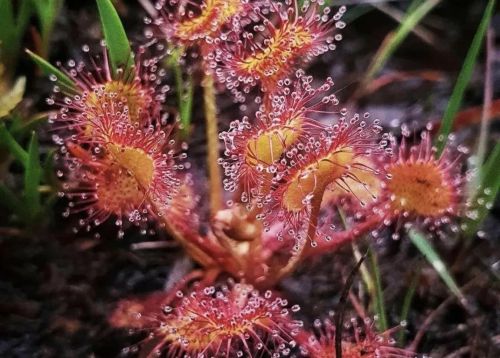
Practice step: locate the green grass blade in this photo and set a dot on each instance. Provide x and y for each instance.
(26, 125)
(477, 159)
(424, 246)
(120, 53)
(490, 185)
(183, 89)
(9, 201)
(23, 16)
(32, 176)
(405, 310)
(49, 176)
(365, 274)
(8, 33)
(187, 105)
(48, 69)
(10, 143)
(392, 44)
(6, 18)
(400, 16)
(341, 307)
(379, 297)
(463, 79)
(11, 31)
(47, 11)
(373, 284)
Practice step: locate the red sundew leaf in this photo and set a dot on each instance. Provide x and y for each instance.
(360, 340)
(233, 320)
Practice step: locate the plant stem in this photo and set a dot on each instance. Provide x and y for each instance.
(195, 251)
(315, 208)
(311, 233)
(486, 110)
(342, 237)
(365, 274)
(379, 297)
(184, 90)
(407, 304)
(212, 132)
(463, 79)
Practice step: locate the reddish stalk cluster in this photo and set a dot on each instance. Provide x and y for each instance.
(290, 166)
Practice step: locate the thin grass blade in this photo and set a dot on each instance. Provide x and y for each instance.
(12, 30)
(49, 172)
(9, 201)
(394, 41)
(32, 176)
(405, 310)
(424, 246)
(10, 143)
(49, 70)
(490, 185)
(463, 79)
(379, 297)
(184, 90)
(7, 18)
(120, 53)
(47, 11)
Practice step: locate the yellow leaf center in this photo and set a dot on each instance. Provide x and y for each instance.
(268, 147)
(419, 188)
(135, 161)
(127, 94)
(313, 179)
(286, 43)
(213, 15)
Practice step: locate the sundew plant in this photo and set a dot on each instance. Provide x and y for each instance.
(207, 178)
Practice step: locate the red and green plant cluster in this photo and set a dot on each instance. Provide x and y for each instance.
(302, 175)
